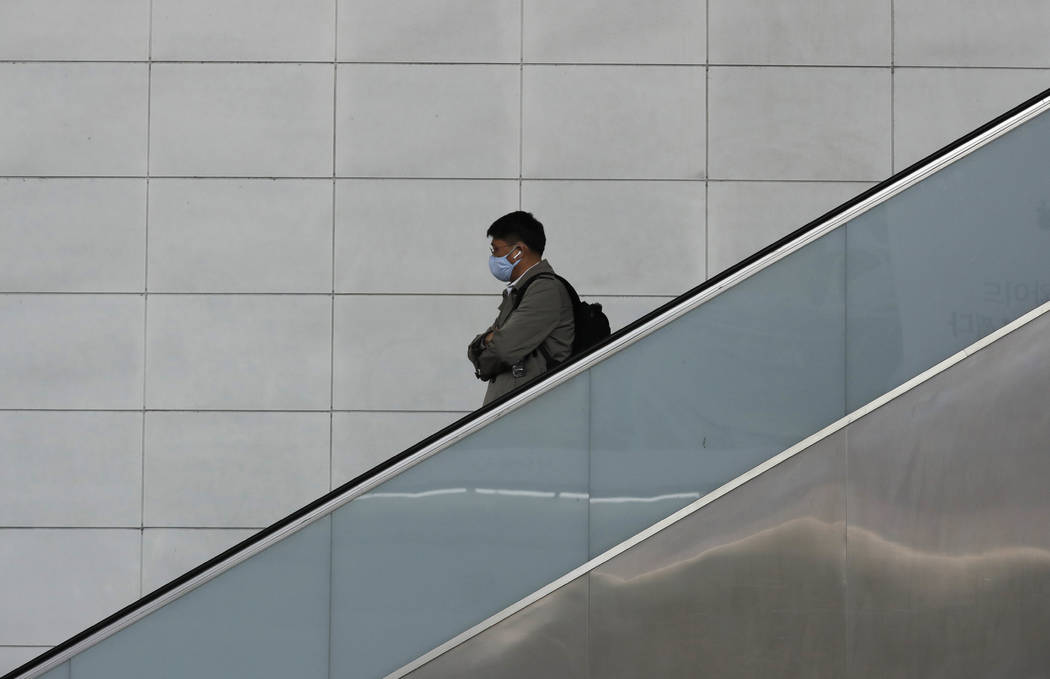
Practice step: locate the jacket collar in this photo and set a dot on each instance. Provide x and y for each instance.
(541, 267)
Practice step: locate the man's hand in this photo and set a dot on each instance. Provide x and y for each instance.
(488, 337)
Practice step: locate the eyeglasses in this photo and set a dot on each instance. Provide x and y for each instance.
(505, 248)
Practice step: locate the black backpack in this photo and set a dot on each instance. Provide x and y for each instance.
(591, 323)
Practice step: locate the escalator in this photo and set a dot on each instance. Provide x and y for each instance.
(884, 546)
(540, 521)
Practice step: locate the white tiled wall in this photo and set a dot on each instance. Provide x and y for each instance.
(806, 32)
(242, 241)
(255, 120)
(416, 120)
(603, 122)
(82, 119)
(58, 581)
(240, 235)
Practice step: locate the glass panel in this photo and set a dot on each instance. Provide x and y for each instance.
(266, 618)
(948, 261)
(748, 374)
(60, 672)
(461, 536)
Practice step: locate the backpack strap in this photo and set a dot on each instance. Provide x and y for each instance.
(574, 298)
(547, 358)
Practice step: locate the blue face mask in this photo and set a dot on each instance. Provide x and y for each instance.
(502, 267)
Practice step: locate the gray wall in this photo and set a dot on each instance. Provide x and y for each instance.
(241, 241)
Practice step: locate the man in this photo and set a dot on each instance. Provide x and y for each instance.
(532, 332)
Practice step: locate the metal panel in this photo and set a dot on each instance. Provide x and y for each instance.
(948, 540)
(547, 639)
(750, 585)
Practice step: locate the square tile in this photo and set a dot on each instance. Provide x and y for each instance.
(816, 32)
(71, 469)
(430, 30)
(240, 235)
(580, 122)
(244, 30)
(57, 582)
(239, 352)
(952, 33)
(73, 29)
(241, 120)
(72, 235)
(408, 352)
(935, 106)
(428, 121)
(361, 440)
(243, 470)
(800, 123)
(616, 31)
(588, 224)
(71, 351)
(745, 217)
(418, 236)
(73, 119)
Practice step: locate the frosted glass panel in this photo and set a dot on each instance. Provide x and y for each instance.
(60, 672)
(706, 398)
(948, 261)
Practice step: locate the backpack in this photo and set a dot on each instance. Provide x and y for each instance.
(591, 323)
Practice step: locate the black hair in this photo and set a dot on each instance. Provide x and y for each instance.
(519, 226)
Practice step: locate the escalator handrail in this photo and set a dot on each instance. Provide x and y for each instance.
(468, 424)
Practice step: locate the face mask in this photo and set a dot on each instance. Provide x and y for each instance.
(501, 267)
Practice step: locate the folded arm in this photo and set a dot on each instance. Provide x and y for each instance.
(532, 322)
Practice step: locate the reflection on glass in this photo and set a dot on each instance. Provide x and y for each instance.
(459, 537)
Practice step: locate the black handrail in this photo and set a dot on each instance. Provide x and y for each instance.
(479, 413)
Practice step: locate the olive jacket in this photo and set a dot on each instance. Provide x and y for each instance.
(544, 316)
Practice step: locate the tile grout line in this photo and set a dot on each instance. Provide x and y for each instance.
(521, 101)
(707, 139)
(145, 305)
(316, 294)
(581, 64)
(222, 410)
(637, 180)
(335, 132)
(331, 363)
(135, 528)
(893, 87)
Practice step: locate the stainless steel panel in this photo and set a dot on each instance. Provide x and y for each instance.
(546, 639)
(949, 521)
(748, 586)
